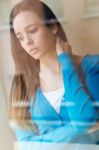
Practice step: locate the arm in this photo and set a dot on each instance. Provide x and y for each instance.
(83, 110)
(92, 78)
(63, 135)
(75, 92)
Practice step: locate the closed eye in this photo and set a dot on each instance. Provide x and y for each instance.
(20, 38)
(33, 30)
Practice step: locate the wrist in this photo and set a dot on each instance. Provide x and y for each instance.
(59, 51)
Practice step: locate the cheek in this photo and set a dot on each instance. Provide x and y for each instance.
(44, 38)
(24, 47)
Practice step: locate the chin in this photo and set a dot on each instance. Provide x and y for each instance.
(37, 57)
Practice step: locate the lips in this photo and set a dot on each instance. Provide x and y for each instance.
(33, 50)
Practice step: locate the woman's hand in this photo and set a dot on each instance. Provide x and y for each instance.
(62, 46)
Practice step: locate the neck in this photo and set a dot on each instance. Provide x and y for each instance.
(47, 61)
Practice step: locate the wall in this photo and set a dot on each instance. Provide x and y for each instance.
(82, 32)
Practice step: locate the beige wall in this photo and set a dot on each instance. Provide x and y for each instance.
(6, 142)
(83, 34)
(6, 136)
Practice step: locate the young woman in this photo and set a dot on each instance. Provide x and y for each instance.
(53, 91)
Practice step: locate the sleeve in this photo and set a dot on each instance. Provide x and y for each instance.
(83, 110)
(92, 78)
(25, 140)
(23, 135)
(56, 136)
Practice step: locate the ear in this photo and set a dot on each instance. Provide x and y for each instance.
(54, 29)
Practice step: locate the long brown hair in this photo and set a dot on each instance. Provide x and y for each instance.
(26, 79)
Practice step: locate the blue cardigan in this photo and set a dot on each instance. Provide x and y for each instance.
(78, 108)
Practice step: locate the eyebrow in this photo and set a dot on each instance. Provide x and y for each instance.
(26, 28)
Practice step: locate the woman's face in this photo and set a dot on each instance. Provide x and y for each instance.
(35, 38)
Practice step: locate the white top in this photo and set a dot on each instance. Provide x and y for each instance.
(55, 98)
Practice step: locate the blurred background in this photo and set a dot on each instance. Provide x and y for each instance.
(80, 20)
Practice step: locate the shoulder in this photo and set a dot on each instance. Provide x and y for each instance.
(90, 70)
(89, 63)
(92, 75)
